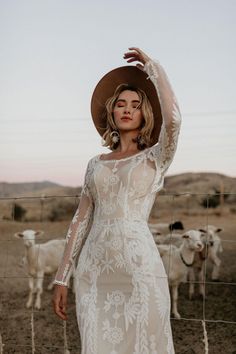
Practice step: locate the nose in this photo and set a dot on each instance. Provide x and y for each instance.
(200, 245)
(127, 109)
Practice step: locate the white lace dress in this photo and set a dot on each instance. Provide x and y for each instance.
(122, 295)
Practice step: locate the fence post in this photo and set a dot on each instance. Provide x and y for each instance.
(1, 344)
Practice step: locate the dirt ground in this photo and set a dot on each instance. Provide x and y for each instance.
(16, 321)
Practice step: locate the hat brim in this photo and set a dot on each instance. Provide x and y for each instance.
(106, 87)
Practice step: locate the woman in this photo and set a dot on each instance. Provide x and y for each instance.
(122, 295)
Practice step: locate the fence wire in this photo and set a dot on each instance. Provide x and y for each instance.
(65, 348)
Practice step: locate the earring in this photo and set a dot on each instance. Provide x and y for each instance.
(115, 136)
(140, 140)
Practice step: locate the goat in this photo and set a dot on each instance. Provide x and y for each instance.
(177, 260)
(40, 259)
(212, 234)
(212, 246)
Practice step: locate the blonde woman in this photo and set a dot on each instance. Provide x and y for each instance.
(122, 295)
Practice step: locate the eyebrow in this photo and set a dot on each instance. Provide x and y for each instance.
(133, 101)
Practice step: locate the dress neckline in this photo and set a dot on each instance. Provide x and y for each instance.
(124, 158)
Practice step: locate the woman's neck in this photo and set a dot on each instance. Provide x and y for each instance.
(126, 142)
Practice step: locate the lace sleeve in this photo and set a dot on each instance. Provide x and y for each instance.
(165, 149)
(77, 232)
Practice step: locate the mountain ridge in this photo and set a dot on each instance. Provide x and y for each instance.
(187, 182)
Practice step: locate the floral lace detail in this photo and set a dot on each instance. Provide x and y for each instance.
(78, 229)
(116, 298)
(163, 152)
(113, 335)
(122, 295)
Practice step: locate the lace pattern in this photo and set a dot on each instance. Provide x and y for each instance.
(122, 295)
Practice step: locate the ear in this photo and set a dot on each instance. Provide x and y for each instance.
(202, 230)
(18, 235)
(185, 236)
(39, 233)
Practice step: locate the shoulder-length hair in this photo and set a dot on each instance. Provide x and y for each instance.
(147, 124)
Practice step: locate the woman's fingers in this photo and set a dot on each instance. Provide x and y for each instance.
(137, 50)
(139, 66)
(60, 312)
(136, 54)
(132, 59)
(64, 306)
(140, 53)
(131, 55)
(60, 301)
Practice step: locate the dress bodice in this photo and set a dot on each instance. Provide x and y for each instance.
(125, 188)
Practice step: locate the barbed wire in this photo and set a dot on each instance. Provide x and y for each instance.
(78, 195)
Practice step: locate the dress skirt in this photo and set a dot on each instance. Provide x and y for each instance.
(122, 294)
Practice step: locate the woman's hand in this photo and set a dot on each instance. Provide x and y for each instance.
(136, 54)
(59, 301)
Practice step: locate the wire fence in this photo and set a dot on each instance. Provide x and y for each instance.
(172, 210)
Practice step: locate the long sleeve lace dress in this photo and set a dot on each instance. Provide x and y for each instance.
(122, 294)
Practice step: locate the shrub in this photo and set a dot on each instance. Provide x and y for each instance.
(18, 212)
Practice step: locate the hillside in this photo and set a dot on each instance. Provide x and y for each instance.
(183, 193)
(36, 189)
(203, 182)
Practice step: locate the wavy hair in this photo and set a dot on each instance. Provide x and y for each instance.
(144, 138)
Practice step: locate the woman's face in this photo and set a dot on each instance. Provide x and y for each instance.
(127, 111)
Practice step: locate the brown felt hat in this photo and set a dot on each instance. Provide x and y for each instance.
(106, 87)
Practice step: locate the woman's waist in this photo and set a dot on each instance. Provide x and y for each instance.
(123, 227)
(119, 220)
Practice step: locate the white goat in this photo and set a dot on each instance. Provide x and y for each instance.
(198, 270)
(212, 246)
(40, 259)
(212, 235)
(177, 261)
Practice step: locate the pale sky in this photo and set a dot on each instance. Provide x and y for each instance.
(53, 53)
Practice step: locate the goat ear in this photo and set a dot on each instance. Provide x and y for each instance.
(18, 235)
(39, 232)
(185, 236)
(202, 230)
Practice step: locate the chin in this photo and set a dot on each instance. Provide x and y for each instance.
(127, 127)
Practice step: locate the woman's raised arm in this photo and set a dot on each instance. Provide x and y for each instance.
(165, 149)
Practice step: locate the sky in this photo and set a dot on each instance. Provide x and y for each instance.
(53, 53)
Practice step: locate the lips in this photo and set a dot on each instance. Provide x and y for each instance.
(125, 118)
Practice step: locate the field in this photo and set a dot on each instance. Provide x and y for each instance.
(17, 327)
